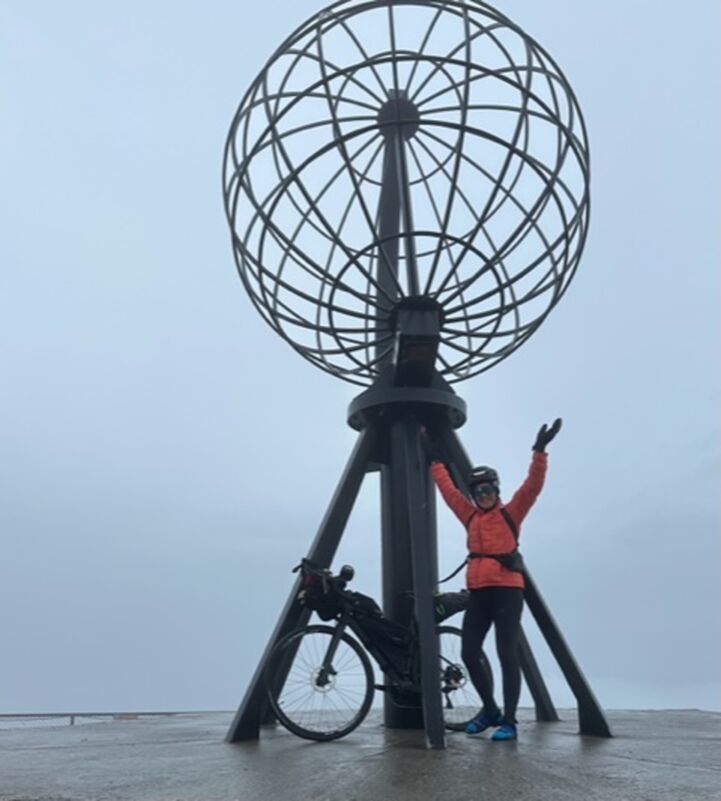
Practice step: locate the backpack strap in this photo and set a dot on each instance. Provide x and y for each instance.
(509, 520)
(455, 572)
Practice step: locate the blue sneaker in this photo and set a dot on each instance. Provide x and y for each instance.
(482, 722)
(506, 731)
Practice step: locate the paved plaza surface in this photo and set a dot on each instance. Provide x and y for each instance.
(654, 756)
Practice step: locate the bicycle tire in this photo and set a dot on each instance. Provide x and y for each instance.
(461, 702)
(300, 703)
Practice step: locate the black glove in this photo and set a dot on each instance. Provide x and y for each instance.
(546, 434)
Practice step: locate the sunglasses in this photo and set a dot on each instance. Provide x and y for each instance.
(483, 489)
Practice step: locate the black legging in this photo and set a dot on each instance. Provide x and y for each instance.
(501, 606)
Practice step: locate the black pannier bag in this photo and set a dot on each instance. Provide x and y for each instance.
(391, 639)
(364, 603)
(447, 604)
(324, 604)
(371, 619)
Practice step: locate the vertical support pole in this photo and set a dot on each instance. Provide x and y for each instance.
(397, 569)
(397, 575)
(253, 709)
(394, 210)
(389, 216)
(398, 120)
(424, 557)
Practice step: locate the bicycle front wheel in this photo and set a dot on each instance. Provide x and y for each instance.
(461, 702)
(319, 701)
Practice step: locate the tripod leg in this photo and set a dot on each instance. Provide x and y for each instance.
(590, 715)
(424, 580)
(545, 710)
(253, 708)
(460, 467)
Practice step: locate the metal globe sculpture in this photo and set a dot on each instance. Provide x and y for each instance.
(415, 149)
(406, 183)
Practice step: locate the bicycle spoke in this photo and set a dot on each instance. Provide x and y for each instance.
(321, 706)
(461, 701)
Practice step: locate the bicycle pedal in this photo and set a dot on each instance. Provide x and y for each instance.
(382, 687)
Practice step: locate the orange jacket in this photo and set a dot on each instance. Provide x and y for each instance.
(488, 532)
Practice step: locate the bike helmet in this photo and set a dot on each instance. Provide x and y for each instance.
(484, 475)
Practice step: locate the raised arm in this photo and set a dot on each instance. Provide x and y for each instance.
(525, 496)
(461, 507)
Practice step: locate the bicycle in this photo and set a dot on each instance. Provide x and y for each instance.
(319, 678)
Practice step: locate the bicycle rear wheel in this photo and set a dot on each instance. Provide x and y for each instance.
(312, 703)
(461, 702)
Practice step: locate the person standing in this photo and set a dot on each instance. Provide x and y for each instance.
(494, 578)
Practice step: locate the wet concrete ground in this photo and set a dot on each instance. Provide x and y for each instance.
(654, 756)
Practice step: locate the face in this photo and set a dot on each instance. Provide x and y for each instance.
(485, 495)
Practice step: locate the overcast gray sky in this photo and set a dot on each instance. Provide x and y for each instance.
(165, 458)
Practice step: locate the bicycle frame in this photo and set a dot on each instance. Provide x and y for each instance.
(403, 677)
(402, 669)
(355, 623)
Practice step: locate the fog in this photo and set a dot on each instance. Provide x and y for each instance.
(166, 459)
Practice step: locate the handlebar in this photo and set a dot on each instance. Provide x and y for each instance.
(309, 569)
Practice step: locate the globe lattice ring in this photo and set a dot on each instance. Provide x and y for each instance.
(492, 164)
